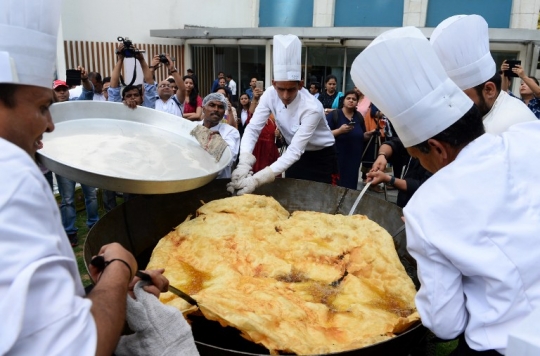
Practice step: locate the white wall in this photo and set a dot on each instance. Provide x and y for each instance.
(105, 20)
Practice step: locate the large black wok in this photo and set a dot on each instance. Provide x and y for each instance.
(140, 223)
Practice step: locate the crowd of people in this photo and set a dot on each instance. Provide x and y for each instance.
(471, 211)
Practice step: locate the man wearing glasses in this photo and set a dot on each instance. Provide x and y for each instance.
(167, 100)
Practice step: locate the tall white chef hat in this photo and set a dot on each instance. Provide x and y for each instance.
(462, 45)
(401, 74)
(28, 32)
(287, 58)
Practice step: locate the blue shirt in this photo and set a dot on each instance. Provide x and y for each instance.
(149, 98)
(533, 105)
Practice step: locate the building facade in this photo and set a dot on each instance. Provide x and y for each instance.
(235, 36)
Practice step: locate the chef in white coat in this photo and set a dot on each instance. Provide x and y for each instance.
(462, 45)
(43, 305)
(310, 154)
(474, 226)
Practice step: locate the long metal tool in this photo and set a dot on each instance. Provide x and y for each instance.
(173, 290)
(366, 187)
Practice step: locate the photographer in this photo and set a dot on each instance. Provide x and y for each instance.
(529, 89)
(167, 100)
(132, 95)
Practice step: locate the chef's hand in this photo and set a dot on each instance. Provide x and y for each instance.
(378, 177)
(249, 184)
(110, 252)
(379, 164)
(243, 169)
(160, 284)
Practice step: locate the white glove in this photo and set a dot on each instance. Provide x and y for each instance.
(159, 329)
(249, 184)
(243, 169)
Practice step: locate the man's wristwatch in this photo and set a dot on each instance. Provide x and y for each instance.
(392, 180)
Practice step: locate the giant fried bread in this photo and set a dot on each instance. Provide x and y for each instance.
(307, 283)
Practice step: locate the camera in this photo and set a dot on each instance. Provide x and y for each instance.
(163, 59)
(128, 51)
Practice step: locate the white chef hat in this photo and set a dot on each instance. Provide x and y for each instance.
(28, 32)
(287, 58)
(462, 45)
(401, 74)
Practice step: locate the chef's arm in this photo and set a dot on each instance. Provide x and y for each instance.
(109, 296)
(440, 300)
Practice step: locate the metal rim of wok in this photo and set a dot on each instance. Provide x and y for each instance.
(138, 225)
(86, 147)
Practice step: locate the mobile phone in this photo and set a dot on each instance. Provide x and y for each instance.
(73, 77)
(511, 64)
(351, 123)
(259, 85)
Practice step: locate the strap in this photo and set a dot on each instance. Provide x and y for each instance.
(180, 106)
(335, 118)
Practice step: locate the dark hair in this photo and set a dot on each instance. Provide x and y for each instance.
(7, 94)
(94, 75)
(240, 107)
(227, 91)
(352, 92)
(194, 93)
(535, 80)
(317, 85)
(106, 80)
(171, 80)
(469, 127)
(328, 77)
(229, 76)
(130, 88)
(496, 79)
(190, 70)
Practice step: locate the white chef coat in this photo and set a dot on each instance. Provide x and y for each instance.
(302, 124)
(474, 230)
(99, 97)
(41, 295)
(506, 111)
(170, 106)
(232, 137)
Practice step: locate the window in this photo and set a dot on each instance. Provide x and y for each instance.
(496, 12)
(369, 13)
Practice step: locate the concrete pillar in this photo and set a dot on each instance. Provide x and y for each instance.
(524, 14)
(323, 13)
(414, 13)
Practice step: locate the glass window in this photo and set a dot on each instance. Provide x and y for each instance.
(323, 61)
(226, 61)
(252, 64)
(352, 53)
(203, 67)
(369, 13)
(496, 12)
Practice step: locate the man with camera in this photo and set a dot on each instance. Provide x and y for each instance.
(132, 95)
(167, 100)
(469, 64)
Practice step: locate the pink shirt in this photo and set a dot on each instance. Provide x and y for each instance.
(363, 106)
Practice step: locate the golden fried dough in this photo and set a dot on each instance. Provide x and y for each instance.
(306, 283)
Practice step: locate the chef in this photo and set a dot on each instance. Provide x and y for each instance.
(462, 44)
(300, 119)
(43, 304)
(473, 227)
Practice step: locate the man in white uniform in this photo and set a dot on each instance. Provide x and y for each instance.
(214, 107)
(300, 119)
(462, 45)
(42, 300)
(473, 227)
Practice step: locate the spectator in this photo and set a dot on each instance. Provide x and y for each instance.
(311, 154)
(214, 107)
(105, 88)
(232, 85)
(216, 82)
(529, 89)
(252, 85)
(191, 74)
(97, 82)
(245, 114)
(330, 98)
(468, 62)
(363, 103)
(167, 101)
(349, 129)
(43, 300)
(192, 106)
(231, 116)
(132, 95)
(174, 87)
(314, 89)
